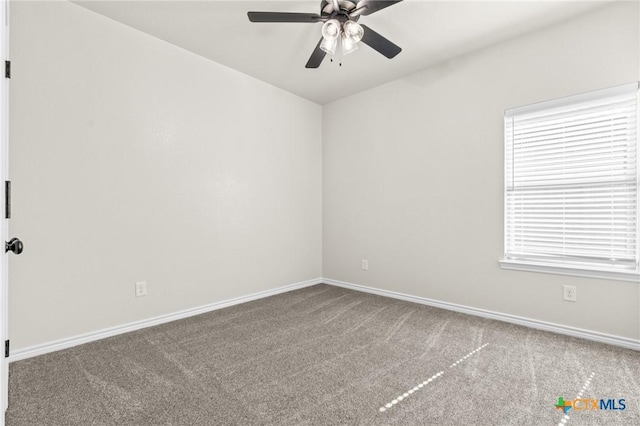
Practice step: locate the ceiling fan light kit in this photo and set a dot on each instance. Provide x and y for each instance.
(340, 24)
(350, 34)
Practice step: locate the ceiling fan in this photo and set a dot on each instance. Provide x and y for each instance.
(340, 29)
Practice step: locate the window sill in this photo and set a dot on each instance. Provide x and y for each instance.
(574, 271)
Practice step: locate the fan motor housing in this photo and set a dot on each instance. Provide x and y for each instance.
(346, 7)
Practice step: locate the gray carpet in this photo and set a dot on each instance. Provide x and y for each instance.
(326, 355)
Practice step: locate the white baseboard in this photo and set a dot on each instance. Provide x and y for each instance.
(57, 345)
(69, 342)
(527, 322)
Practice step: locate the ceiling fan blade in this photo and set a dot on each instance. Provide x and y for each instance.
(316, 57)
(367, 7)
(283, 17)
(379, 43)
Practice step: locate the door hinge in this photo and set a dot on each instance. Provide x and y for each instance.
(6, 349)
(7, 199)
(7, 69)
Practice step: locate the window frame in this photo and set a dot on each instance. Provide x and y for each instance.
(574, 269)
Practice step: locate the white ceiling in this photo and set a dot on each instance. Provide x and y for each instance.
(429, 32)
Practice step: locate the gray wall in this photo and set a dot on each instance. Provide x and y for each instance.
(135, 160)
(414, 184)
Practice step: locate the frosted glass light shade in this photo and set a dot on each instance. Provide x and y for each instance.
(331, 29)
(348, 46)
(330, 33)
(329, 45)
(353, 31)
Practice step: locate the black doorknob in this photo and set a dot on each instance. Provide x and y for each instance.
(14, 245)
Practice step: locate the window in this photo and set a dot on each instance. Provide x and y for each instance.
(571, 185)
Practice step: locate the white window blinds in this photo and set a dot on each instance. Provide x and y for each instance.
(571, 182)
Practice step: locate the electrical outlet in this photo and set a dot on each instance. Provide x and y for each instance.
(365, 265)
(569, 293)
(141, 288)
